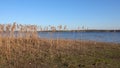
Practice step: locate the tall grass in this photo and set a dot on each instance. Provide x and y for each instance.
(21, 47)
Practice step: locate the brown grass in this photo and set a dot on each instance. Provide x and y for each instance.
(26, 50)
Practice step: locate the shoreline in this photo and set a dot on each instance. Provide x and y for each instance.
(80, 40)
(81, 31)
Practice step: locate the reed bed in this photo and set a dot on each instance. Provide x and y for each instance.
(22, 47)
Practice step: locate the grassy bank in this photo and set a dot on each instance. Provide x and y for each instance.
(25, 50)
(44, 53)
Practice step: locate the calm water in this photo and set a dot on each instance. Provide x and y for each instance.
(93, 36)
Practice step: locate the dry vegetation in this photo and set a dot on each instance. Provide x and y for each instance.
(20, 47)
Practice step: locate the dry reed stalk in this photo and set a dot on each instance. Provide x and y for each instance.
(13, 29)
(53, 28)
(19, 32)
(28, 32)
(1, 31)
(65, 27)
(60, 27)
(7, 40)
(40, 28)
(7, 32)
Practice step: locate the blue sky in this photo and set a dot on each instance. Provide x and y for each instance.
(97, 14)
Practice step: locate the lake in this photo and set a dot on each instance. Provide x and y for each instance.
(92, 36)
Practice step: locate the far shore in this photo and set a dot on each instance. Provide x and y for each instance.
(80, 31)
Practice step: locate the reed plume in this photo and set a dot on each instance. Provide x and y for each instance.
(13, 29)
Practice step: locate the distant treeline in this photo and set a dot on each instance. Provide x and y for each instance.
(82, 31)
